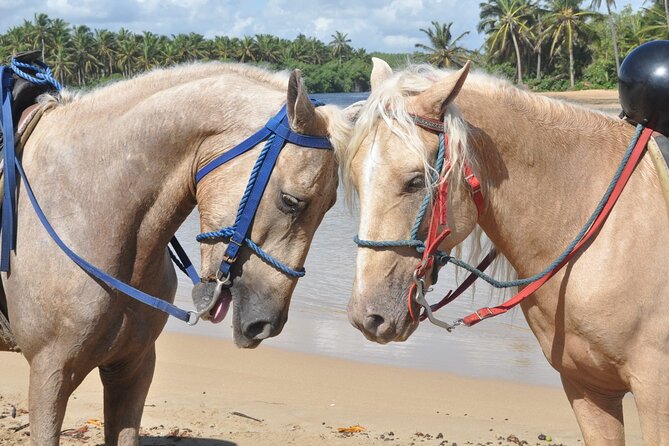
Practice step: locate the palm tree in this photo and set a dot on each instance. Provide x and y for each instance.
(339, 45)
(40, 30)
(504, 21)
(247, 49)
(269, 49)
(300, 49)
(149, 49)
(536, 36)
(595, 4)
(444, 50)
(82, 46)
(654, 26)
(106, 46)
(566, 22)
(128, 51)
(62, 62)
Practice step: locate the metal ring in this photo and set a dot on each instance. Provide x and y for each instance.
(223, 281)
(193, 318)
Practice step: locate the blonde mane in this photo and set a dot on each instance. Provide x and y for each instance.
(160, 78)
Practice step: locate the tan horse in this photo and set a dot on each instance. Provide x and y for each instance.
(114, 172)
(544, 164)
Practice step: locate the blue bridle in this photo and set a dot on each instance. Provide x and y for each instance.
(277, 132)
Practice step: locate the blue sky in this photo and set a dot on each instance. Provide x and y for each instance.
(376, 25)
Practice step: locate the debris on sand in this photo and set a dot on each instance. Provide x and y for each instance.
(243, 415)
(356, 428)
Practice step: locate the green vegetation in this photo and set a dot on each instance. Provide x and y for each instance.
(545, 45)
(564, 44)
(84, 57)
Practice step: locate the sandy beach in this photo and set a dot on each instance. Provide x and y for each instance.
(206, 392)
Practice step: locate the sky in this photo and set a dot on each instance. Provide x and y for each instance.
(376, 25)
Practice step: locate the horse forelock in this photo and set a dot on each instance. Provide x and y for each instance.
(389, 104)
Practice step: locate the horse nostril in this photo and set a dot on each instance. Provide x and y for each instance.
(373, 322)
(258, 330)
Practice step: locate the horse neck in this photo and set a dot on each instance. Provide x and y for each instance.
(152, 149)
(545, 165)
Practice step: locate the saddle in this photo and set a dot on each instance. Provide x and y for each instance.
(25, 93)
(25, 114)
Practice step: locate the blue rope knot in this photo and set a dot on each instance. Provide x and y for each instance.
(42, 73)
(226, 233)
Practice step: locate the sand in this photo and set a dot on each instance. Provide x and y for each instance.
(206, 392)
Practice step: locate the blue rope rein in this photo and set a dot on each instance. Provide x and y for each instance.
(443, 258)
(43, 74)
(229, 231)
(520, 282)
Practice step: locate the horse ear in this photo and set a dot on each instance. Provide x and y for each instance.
(301, 111)
(435, 99)
(380, 72)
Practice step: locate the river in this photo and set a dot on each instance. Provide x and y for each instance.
(501, 348)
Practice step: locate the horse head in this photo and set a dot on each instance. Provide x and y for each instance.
(390, 164)
(301, 188)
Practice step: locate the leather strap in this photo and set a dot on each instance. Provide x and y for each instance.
(637, 153)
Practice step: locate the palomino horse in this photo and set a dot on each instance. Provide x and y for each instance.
(544, 165)
(114, 170)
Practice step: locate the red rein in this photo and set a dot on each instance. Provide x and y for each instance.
(439, 218)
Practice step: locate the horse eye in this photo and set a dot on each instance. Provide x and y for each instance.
(415, 184)
(291, 204)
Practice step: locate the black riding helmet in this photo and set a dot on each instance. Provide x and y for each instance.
(643, 85)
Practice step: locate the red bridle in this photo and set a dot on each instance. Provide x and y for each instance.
(439, 215)
(439, 218)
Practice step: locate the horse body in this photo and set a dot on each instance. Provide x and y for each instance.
(114, 172)
(544, 166)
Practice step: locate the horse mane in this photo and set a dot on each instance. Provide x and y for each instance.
(388, 103)
(171, 76)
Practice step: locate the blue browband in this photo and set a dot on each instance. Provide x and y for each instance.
(277, 133)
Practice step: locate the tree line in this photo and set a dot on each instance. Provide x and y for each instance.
(560, 44)
(546, 45)
(81, 56)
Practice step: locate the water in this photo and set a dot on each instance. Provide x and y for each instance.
(500, 348)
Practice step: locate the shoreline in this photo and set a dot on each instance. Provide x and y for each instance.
(206, 392)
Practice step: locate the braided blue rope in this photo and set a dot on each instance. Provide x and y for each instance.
(514, 283)
(435, 177)
(252, 178)
(43, 74)
(230, 230)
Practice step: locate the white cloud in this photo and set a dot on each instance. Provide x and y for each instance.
(383, 25)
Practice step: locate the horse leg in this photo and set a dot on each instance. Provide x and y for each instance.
(652, 402)
(50, 387)
(599, 414)
(126, 385)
